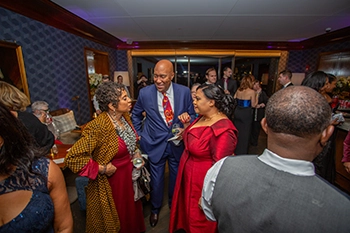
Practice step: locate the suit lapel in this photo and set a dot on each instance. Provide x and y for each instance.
(177, 101)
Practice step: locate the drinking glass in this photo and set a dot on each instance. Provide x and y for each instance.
(175, 129)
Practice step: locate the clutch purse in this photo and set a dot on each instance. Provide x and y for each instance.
(141, 182)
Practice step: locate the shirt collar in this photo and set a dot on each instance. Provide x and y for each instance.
(169, 91)
(287, 84)
(293, 166)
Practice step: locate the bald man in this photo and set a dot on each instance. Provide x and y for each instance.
(278, 191)
(162, 102)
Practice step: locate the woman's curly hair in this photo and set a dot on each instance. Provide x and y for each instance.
(108, 92)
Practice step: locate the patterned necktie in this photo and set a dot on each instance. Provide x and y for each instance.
(168, 111)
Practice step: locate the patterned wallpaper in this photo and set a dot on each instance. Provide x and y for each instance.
(54, 62)
(300, 60)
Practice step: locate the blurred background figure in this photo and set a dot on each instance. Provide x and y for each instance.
(227, 83)
(41, 110)
(209, 138)
(120, 81)
(194, 89)
(324, 162)
(258, 112)
(103, 154)
(285, 78)
(346, 153)
(327, 92)
(16, 101)
(105, 78)
(33, 195)
(243, 115)
(140, 83)
(211, 76)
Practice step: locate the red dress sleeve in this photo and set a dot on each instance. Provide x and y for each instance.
(224, 140)
(90, 170)
(346, 150)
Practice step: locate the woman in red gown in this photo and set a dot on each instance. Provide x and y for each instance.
(209, 138)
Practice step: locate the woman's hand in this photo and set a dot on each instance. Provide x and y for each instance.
(184, 118)
(137, 155)
(108, 169)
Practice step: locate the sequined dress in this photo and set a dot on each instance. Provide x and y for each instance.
(38, 215)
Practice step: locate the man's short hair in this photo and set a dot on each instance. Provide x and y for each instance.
(39, 105)
(209, 70)
(287, 73)
(299, 111)
(226, 68)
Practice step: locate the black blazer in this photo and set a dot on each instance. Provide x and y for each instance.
(260, 112)
(231, 85)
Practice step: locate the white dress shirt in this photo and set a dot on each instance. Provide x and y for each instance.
(293, 166)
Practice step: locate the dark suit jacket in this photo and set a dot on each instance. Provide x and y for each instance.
(153, 130)
(231, 85)
(41, 134)
(260, 112)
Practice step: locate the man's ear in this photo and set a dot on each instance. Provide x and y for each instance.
(264, 124)
(326, 133)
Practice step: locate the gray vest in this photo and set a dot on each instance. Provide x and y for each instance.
(250, 196)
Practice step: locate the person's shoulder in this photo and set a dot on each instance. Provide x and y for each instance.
(222, 125)
(147, 89)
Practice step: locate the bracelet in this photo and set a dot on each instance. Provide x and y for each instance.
(104, 169)
(137, 151)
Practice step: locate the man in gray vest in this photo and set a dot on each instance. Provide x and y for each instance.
(278, 191)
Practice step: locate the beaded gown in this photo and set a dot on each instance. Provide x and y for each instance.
(38, 215)
(204, 145)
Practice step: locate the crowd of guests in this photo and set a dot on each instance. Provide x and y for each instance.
(210, 188)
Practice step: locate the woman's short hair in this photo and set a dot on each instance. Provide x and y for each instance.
(108, 92)
(223, 102)
(12, 98)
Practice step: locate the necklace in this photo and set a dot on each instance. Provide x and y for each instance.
(115, 122)
(209, 118)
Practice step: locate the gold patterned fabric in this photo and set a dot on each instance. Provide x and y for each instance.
(99, 141)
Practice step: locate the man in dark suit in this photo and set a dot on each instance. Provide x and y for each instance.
(156, 129)
(228, 84)
(285, 78)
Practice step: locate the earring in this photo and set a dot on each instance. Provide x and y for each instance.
(114, 112)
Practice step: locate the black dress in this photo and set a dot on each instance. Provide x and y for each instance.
(258, 115)
(243, 118)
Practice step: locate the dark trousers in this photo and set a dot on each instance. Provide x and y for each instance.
(157, 179)
(256, 127)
